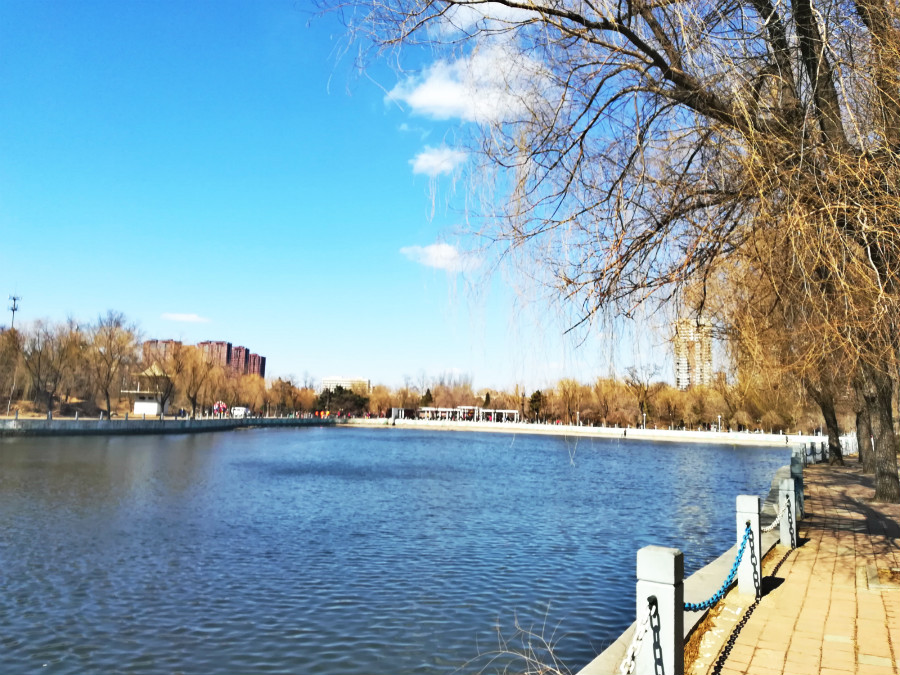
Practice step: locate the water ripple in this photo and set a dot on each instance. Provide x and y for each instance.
(341, 551)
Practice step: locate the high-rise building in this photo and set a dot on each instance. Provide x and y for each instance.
(216, 352)
(158, 350)
(693, 352)
(256, 365)
(240, 360)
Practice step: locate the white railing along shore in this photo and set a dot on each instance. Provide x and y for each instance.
(661, 588)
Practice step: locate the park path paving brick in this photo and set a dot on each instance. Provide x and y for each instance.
(833, 605)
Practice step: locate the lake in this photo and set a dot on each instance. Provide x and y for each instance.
(342, 551)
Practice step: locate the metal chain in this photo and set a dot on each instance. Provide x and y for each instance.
(774, 523)
(718, 595)
(627, 666)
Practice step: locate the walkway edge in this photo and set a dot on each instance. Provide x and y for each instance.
(700, 585)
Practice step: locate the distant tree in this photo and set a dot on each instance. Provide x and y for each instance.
(569, 396)
(536, 404)
(10, 362)
(380, 400)
(640, 382)
(252, 392)
(49, 353)
(427, 399)
(343, 401)
(487, 399)
(197, 369)
(112, 352)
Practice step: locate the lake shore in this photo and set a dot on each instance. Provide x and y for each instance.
(668, 435)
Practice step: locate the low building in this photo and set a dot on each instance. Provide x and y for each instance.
(148, 397)
(356, 385)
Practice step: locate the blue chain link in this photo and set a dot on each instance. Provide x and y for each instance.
(718, 595)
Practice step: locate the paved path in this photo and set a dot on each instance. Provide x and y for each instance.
(833, 605)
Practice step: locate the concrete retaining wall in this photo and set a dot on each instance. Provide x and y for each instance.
(105, 427)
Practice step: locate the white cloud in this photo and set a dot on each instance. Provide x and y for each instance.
(492, 84)
(489, 16)
(434, 161)
(440, 256)
(184, 318)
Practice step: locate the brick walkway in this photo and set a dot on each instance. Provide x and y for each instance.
(833, 606)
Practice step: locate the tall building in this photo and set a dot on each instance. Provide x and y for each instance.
(216, 352)
(693, 352)
(158, 350)
(240, 360)
(256, 365)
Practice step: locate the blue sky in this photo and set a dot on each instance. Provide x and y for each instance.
(216, 170)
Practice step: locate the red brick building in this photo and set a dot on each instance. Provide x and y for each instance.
(257, 365)
(240, 360)
(158, 350)
(217, 353)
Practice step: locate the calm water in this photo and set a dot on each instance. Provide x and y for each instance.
(340, 550)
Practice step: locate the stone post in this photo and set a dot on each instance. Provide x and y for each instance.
(797, 475)
(750, 570)
(660, 574)
(788, 524)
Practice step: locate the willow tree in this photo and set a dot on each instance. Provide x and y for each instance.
(634, 147)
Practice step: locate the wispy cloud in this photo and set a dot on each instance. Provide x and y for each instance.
(435, 161)
(440, 256)
(489, 16)
(184, 318)
(492, 84)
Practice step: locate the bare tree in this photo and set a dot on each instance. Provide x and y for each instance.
(637, 147)
(639, 381)
(112, 351)
(49, 353)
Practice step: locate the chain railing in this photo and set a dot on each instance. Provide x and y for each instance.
(777, 521)
(718, 595)
(640, 630)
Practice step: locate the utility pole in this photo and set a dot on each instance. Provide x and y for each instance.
(14, 307)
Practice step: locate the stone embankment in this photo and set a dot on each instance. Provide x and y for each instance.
(110, 427)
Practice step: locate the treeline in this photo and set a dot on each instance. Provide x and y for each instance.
(754, 403)
(70, 367)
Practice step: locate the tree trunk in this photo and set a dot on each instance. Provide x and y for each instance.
(824, 397)
(835, 456)
(864, 432)
(878, 392)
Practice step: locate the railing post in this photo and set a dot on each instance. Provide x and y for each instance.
(788, 525)
(750, 570)
(660, 574)
(797, 475)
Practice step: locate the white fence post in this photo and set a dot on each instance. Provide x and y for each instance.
(660, 574)
(750, 570)
(797, 475)
(788, 523)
